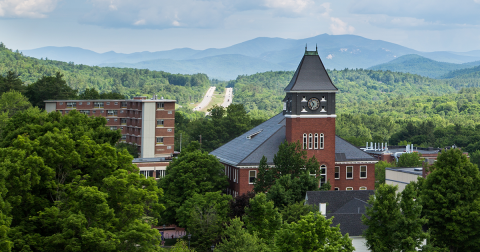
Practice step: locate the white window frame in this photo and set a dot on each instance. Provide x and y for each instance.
(361, 171)
(362, 188)
(160, 105)
(346, 172)
(71, 104)
(315, 142)
(304, 141)
(337, 167)
(310, 141)
(98, 105)
(322, 141)
(323, 176)
(349, 189)
(249, 177)
(337, 189)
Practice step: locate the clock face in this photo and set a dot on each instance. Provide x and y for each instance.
(313, 103)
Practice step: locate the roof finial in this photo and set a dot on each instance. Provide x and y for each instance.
(316, 48)
(305, 47)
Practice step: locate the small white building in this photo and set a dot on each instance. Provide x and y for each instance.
(402, 176)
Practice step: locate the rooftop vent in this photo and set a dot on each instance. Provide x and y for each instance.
(254, 134)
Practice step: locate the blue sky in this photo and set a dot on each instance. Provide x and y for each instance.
(154, 25)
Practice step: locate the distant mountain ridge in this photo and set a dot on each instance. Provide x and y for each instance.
(256, 55)
(416, 64)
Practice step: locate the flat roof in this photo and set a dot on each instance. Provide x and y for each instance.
(150, 160)
(409, 170)
(107, 100)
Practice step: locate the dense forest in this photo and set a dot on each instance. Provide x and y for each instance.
(127, 81)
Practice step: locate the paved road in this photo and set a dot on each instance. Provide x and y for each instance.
(206, 100)
(228, 97)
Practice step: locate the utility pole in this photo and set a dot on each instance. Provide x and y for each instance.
(200, 142)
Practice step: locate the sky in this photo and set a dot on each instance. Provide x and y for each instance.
(128, 26)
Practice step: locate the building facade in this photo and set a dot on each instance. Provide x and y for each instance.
(308, 117)
(148, 123)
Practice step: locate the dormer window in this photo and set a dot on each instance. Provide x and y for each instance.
(323, 98)
(323, 109)
(304, 99)
(303, 109)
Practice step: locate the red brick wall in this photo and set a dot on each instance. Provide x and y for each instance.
(296, 127)
(342, 183)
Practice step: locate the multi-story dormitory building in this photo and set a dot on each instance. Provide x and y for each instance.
(148, 123)
(309, 118)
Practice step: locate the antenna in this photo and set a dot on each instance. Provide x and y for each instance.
(316, 47)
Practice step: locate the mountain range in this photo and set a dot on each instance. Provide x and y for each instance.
(256, 55)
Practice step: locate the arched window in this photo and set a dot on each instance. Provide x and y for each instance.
(305, 141)
(310, 140)
(323, 174)
(321, 141)
(315, 144)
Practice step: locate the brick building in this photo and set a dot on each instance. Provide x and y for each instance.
(148, 123)
(308, 117)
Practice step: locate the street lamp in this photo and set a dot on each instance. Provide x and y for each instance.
(189, 236)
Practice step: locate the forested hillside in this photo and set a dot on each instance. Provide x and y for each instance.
(358, 89)
(127, 81)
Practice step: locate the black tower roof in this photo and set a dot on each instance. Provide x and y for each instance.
(311, 75)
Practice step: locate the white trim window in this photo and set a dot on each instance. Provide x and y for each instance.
(363, 188)
(160, 122)
(349, 172)
(315, 143)
(159, 140)
(323, 174)
(322, 137)
(349, 188)
(337, 172)
(310, 141)
(252, 176)
(337, 189)
(363, 171)
(160, 105)
(71, 104)
(305, 141)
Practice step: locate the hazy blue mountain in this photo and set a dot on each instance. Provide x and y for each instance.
(215, 66)
(336, 51)
(417, 64)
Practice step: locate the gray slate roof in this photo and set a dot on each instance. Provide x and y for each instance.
(311, 76)
(347, 208)
(242, 151)
(337, 199)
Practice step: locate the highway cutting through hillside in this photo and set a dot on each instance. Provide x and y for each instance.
(228, 97)
(206, 99)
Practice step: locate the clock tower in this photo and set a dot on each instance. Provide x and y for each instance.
(309, 109)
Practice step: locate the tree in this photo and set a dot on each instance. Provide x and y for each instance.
(204, 217)
(11, 82)
(288, 190)
(264, 178)
(411, 159)
(49, 88)
(72, 193)
(451, 202)
(131, 148)
(380, 172)
(193, 172)
(237, 239)
(262, 217)
(394, 220)
(11, 102)
(312, 233)
(294, 212)
(239, 204)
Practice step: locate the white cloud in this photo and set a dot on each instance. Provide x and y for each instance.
(337, 27)
(434, 14)
(162, 14)
(27, 8)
